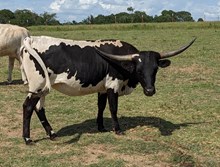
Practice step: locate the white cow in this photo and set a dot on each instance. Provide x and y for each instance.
(11, 39)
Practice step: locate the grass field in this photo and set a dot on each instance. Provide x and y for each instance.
(179, 126)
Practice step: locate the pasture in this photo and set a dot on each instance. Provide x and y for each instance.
(178, 126)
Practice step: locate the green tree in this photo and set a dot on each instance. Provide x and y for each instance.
(49, 19)
(89, 20)
(123, 17)
(162, 18)
(130, 9)
(6, 16)
(171, 16)
(24, 18)
(140, 17)
(184, 16)
(100, 19)
(200, 20)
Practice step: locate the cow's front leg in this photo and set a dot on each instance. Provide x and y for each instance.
(113, 105)
(28, 108)
(43, 119)
(102, 99)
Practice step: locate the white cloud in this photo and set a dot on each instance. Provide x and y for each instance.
(81, 9)
(71, 5)
(87, 2)
(112, 7)
(208, 12)
(56, 5)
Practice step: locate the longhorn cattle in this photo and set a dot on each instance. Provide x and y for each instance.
(11, 39)
(110, 68)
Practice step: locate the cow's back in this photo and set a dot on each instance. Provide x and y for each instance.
(11, 37)
(43, 43)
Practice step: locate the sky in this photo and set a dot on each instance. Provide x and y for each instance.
(69, 10)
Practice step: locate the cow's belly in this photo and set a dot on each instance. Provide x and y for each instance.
(77, 89)
(73, 87)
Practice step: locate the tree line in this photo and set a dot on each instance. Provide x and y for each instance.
(28, 18)
(140, 17)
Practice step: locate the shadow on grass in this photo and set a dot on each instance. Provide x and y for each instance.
(14, 82)
(166, 128)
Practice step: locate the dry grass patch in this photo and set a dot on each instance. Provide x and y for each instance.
(94, 153)
(195, 70)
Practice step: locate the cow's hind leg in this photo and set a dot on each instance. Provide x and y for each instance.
(102, 99)
(43, 119)
(10, 68)
(40, 111)
(28, 108)
(23, 75)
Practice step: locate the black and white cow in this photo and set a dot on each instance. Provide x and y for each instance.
(110, 68)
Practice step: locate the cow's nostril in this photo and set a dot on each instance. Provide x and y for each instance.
(149, 91)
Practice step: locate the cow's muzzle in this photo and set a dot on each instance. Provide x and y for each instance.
(149, 91)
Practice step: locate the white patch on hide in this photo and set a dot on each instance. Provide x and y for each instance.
(119, 86)
(73, 87)
(42, 43)
(35, 79)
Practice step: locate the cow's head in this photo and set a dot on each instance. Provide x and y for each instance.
(145, 65)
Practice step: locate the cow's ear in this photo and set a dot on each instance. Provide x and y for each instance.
(164, 63)
(128, 66)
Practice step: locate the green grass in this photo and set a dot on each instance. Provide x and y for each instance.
(179, 126)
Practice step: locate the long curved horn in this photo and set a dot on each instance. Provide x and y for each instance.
(176, 52)
(128, 57)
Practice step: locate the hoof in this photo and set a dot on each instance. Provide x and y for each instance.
(119, 132)
(9, 82)
(25, 82)
(29, 142)
(53, 136)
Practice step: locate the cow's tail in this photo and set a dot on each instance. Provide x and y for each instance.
(27, 45)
